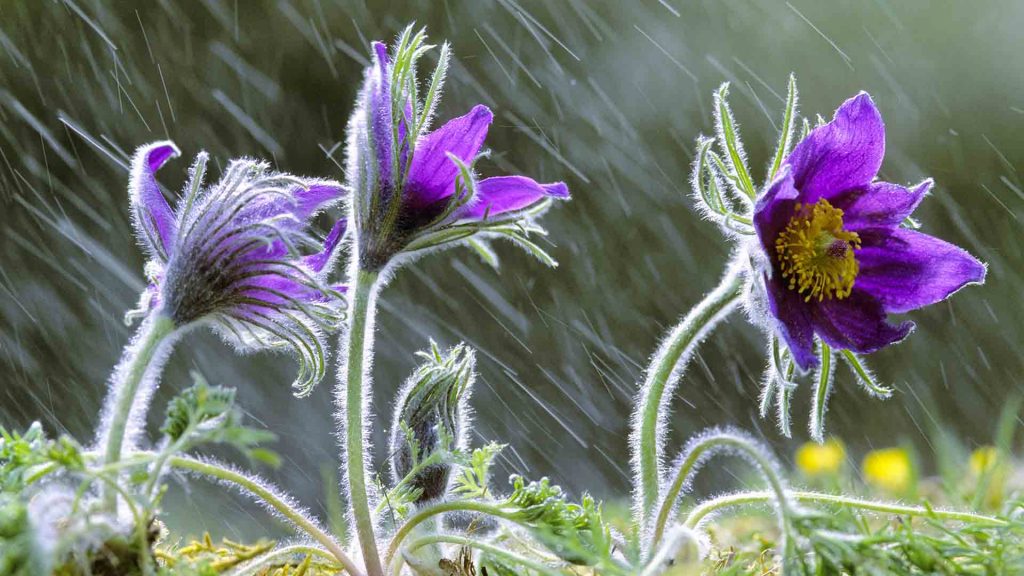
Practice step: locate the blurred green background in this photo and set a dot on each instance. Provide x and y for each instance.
(607, 95)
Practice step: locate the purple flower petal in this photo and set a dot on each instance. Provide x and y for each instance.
(905, 270)
(155, 222)
(794, 321)
(432, 173)
(774, 209)
(856, 323)
(879, 204)
(317, 195)
(502, 194)
(843, 154)
(381, 119)
(317, 262)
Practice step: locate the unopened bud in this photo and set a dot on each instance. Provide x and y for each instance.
(431, 418)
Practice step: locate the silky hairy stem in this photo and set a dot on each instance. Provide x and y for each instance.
(662, 375)
(131, 388)
(426, 513)
(353, 405)
(262, 564)
(506, 555)
(692, 458)
(698, 514)
(266, 495)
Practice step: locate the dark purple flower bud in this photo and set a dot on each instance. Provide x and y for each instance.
(836, 260)
(415, 189)
(431, 420)
(238, 255)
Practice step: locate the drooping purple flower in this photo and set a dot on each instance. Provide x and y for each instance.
(838, 260)
(415, 189)
(238, 255)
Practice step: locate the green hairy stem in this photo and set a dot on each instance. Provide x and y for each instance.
(358, 350)
(656, 393)
(743, 498)
(763, 462)
(153, 334)
(264, 563)
(426, 513)
(272, 500)
(502, 553)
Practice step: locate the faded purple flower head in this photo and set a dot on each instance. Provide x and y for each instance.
(414, 189)
(838, 259)
(239, 255)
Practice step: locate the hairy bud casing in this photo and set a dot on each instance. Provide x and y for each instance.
(431, 419)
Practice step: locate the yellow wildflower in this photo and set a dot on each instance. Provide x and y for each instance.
(889, 469)
(984, 459)
(826, 459)
(990, 471)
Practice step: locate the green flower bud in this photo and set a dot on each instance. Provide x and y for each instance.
(431, 420)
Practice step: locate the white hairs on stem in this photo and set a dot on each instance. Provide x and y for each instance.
(662, 375)
(696, 454)
(254, 487)
(147, 385)
(341, 389)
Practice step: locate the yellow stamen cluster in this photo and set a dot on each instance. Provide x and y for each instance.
(816, 253)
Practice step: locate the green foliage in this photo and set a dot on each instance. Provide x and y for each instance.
(204, 557)
(16, 545)
(203, 414)
(26, 457)
(76, 537)
(843, 541)
(577, 533)
(407, 491)
(439, 385)
(493, 566)
(472, 482)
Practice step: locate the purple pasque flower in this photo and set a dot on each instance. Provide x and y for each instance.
(414, 189)
(838, 261)
(238, 255)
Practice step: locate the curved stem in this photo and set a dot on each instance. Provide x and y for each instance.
(143, 357)
(426, 513)
(483, 546)
(271, 500)
(358, 349)
(651, 411)
(700, 512)
(253, 566)
(694, 456)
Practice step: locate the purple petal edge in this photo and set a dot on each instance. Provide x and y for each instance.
(774, 209)
(857, 322)
(843, 154)
(906, 270)
(432, 173)
(879, 204)
(794, 322)
(317, 262)
(502, 194)
(155, 221)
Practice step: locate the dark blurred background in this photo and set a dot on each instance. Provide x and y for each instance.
(607, 95)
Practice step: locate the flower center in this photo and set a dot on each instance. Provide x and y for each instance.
(816, 253)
